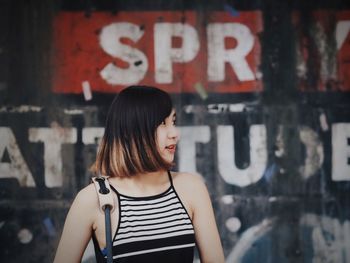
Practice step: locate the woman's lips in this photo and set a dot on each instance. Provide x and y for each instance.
(171, 148)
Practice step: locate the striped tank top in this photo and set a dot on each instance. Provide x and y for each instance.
(152, 229)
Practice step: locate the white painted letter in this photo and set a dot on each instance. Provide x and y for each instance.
(218, 56)
(92, 135)
(17, 168)
(340, 151)
(110, 42)
(53, 138)
(164, 54)
(341, 32)
(187, 146)
(226, 155)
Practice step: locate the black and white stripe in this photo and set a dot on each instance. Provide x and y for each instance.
(152, 224)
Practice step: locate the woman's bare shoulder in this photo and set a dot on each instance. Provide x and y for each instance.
(188, 182)
(87, 197)
(185, 177)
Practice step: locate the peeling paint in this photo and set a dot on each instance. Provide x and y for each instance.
(21, 109)
(227, 199)
(86, 90)
(248, 238)
(323, 122)
(314, 152)
(25, 236)
(49, 227)
(329, 237)
(201, 91)
(73, 111)
(217, 108)
(233, 224)
(231, 10)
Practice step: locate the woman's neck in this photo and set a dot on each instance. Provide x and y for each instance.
(152, 178)
(144, 184)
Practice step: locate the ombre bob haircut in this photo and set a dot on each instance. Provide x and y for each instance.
(129, 146)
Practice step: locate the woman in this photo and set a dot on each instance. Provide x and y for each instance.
(160, 216)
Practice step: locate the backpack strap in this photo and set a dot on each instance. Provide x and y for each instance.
(104, 192)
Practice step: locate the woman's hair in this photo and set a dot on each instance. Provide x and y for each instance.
(129, 145)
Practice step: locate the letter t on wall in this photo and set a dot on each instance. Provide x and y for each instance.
(53, 138)
(187, 146)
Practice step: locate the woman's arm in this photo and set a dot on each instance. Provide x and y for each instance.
(207, 235)
(197, 201)
(77, 227)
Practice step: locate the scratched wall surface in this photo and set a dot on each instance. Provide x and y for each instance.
(261, 89)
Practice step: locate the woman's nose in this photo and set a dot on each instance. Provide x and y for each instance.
(173, 132)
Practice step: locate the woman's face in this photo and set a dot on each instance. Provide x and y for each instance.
(167, 136)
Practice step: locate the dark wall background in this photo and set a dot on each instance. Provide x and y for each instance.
(294, 206)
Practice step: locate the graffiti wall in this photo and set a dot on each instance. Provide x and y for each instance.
(261, 89)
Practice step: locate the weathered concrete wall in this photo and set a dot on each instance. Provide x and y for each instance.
(262, 93)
